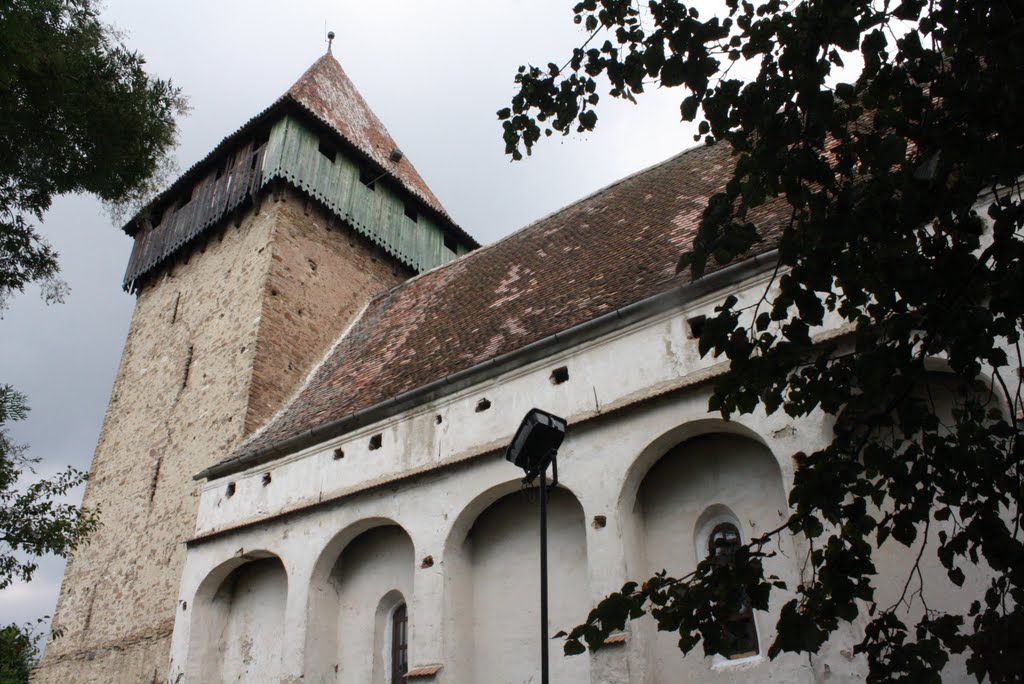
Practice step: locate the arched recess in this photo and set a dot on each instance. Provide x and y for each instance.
(361, 577)
(706, 479)
(943, 393)
(458, 599)
(237, 615)
(658, 448)
(497, 607)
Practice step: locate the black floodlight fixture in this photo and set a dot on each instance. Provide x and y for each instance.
(536, 442)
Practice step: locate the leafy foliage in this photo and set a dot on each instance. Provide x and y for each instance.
(33, 521)
(78, 113)
(893, 197)
(19, 652)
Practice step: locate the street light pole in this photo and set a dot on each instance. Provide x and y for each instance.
(534, 448)
(543, 577)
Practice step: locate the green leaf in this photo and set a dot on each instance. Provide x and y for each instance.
(890, 199)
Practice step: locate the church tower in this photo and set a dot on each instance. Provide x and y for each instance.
(245, 270)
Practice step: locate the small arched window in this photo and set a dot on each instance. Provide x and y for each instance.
(740, 632)
(399, 644)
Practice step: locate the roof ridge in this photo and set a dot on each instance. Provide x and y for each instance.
(301, 80)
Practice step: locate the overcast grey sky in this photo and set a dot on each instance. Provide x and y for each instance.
(434, 71)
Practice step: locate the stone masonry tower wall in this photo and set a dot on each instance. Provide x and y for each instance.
(217, 342)
(321, 274)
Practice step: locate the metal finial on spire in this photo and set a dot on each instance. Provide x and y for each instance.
(330, 39)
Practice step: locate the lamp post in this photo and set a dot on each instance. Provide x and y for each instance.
(534, 448)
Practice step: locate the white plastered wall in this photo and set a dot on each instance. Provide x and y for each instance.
(351, 643)
(237, 637)
(631, 397)
(503, 584)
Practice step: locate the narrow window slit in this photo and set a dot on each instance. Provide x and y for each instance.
(723, 542)
(696, 325)
(188, 366)
(560, 375)
(375, 442)
(230, 490)
(367, 179)
(154, 477)
(399, 643)
(327, 150)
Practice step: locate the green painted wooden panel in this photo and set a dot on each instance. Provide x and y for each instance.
(293, 154)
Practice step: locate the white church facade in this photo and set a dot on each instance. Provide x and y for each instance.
(349, 515)
(306, 558)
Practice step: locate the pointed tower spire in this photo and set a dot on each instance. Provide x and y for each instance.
(328, 93)
(368, 182)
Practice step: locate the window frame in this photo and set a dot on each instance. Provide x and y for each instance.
(398, 650)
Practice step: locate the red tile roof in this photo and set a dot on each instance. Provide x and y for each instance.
(613, 248)
(327, 92)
